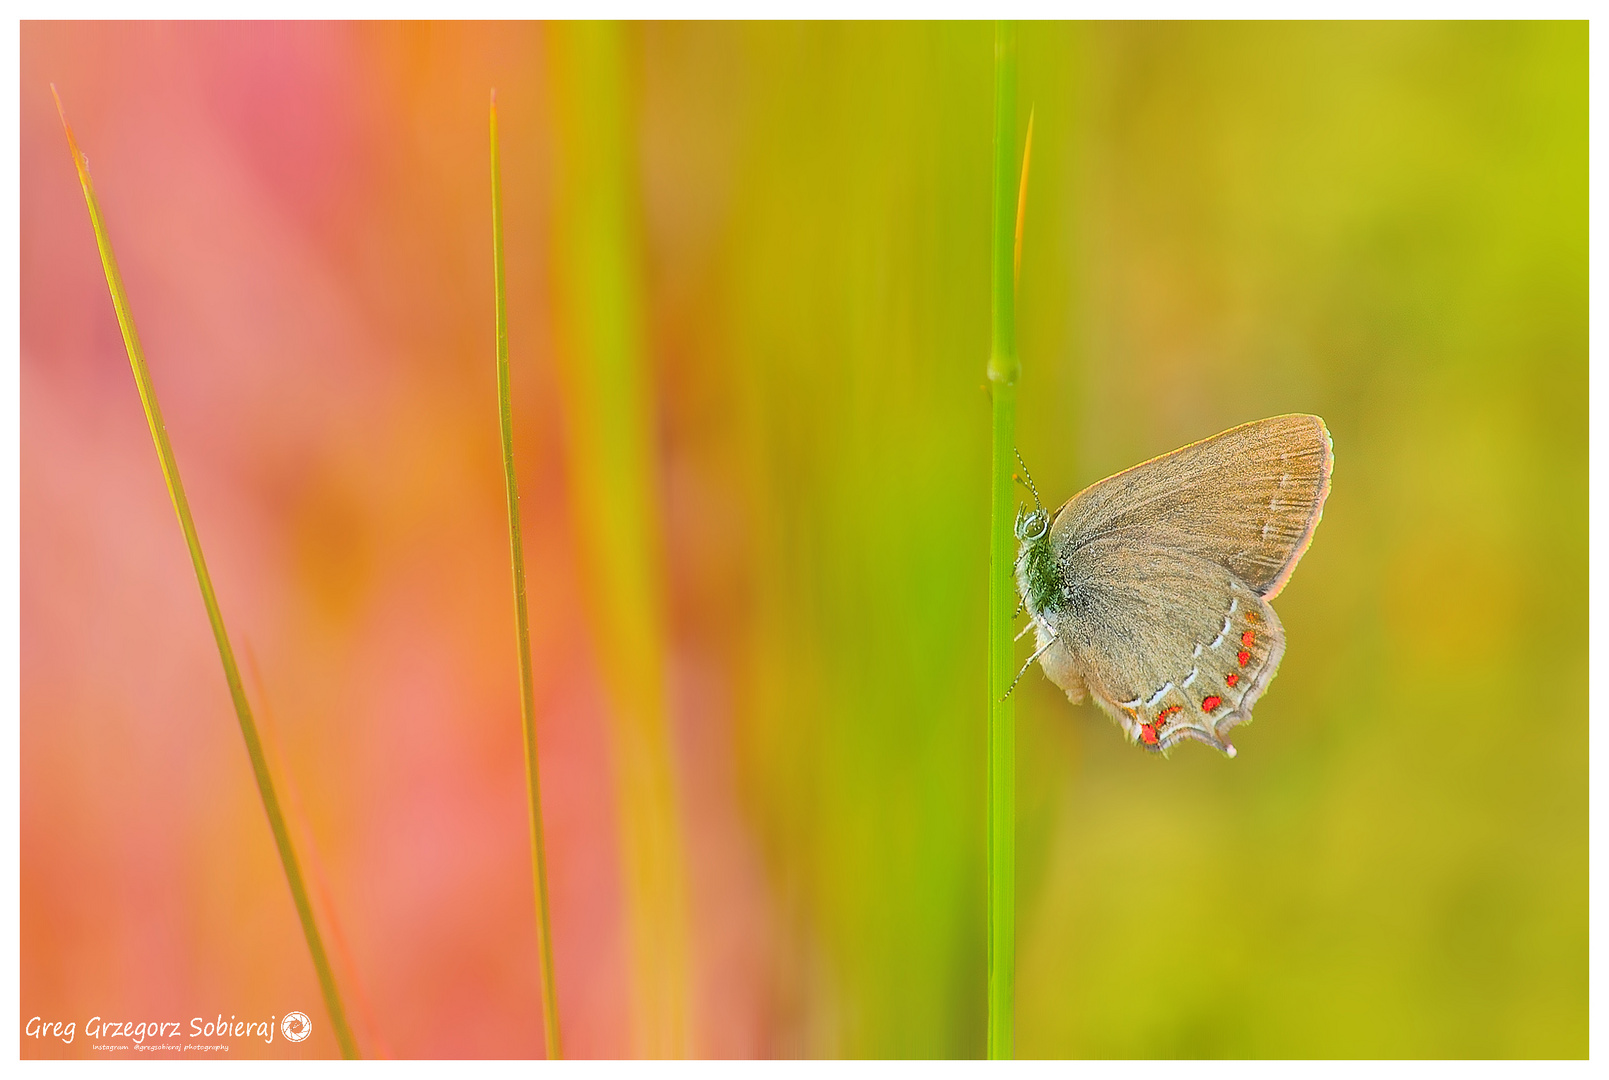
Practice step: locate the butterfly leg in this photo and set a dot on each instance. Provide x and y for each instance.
(1037, 654)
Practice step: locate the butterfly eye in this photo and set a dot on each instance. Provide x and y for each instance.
(1032, 525)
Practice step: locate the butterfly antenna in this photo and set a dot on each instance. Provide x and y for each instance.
(1029, 480)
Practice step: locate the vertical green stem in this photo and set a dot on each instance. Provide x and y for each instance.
(522, 620)
(1003, 370)
(237, 692)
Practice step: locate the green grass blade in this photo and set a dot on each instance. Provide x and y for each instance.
(181, 506)
(609, 424)
(1003, 370)
(522, 621)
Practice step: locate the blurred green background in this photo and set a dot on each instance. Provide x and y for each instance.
(1384, 224)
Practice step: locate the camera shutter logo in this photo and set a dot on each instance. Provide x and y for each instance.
(296, 1026)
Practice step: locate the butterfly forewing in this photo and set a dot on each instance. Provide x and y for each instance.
(1248, 500)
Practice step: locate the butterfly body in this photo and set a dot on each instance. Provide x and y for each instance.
(1150, 590)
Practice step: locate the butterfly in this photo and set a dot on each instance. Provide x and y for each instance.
(1150, 590)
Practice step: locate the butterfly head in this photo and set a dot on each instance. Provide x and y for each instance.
(1032, 525)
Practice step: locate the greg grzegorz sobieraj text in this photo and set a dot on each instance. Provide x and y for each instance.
(100, 1029)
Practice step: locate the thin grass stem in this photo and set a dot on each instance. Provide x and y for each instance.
(237, 693)
(302, 836)
(1003, 370)
(522, 621)
(1022, 199)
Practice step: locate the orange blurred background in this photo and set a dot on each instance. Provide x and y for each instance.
(302, 217)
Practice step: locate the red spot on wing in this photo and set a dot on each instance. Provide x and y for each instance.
(1243, 656)
(1169, 711)
(1247, 638)
(1212, 702)
(1148, 734)
(1232, 678)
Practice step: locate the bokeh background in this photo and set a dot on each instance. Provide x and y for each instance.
(1383, 224)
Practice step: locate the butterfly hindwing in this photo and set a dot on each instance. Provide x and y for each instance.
(1171, 645)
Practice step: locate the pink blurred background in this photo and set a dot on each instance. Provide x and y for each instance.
(301, 214)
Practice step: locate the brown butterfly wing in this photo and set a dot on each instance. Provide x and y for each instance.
(1247, 499)
(1171, 645)
(1169, 568)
